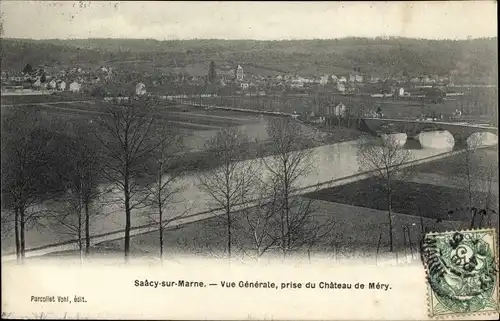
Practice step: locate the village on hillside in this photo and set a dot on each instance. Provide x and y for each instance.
(228, 80)
(77, 79)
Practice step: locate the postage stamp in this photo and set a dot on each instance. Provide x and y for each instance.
(462, 273)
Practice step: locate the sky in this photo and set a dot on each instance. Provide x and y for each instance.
(247, 20)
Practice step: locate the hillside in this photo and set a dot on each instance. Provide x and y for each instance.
(473, 60)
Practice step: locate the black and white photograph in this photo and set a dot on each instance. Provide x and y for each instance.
(205, 137)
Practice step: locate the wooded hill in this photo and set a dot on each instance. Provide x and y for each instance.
(472, 60)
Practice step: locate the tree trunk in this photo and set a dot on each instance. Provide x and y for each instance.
(283, 239)
(16, 229)
(22, 224)
(79, 230)
(389, 206)
(87, 228)
(127, 217)
(287, 209)
(473, 220)
(469, 186)
(80, 236)
(161, 234)
(228, 216)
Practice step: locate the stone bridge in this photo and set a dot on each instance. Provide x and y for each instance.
(460, 130)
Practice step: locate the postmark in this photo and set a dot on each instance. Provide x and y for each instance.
(462, 273)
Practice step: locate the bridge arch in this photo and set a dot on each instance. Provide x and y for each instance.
(461, 132)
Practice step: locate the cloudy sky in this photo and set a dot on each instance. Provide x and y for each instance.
(247, 20)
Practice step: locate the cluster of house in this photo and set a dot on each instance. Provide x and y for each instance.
(75, 79)
(352, 82)
(44, 78)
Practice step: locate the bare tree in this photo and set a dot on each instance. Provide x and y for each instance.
(387, 161)
(262, 219)
(29, 160)
(290, 160)
(229, 181)
(81, 173)
(308, 228)
(125, 136)
(70, 219)
(478, 179)
(164, 187)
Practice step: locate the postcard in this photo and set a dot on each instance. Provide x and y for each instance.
(249, 160)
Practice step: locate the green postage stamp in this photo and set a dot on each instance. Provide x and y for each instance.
(462, 272)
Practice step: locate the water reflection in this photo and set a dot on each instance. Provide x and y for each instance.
(329, 162)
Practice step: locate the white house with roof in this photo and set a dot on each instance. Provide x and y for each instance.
(61, 85)
(339, 110)
(75, 87)
(323, 80)
(342, 79)
(341, 87)
(52, 84)
(140, 89)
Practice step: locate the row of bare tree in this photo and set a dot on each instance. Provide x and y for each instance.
(278, 219)
(77, 163)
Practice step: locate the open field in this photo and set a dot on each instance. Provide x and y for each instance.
(454, 166)
(355, 236)
(410, 198)
(25, 99)
(391, 108)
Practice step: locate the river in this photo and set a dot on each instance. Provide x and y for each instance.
(330, 162)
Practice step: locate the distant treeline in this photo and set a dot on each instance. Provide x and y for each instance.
(474, 60)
